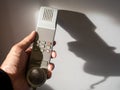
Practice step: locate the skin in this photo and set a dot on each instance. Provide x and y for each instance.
(15, 63)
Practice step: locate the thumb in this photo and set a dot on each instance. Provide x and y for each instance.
(25, 43)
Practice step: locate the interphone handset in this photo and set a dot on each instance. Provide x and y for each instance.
(42, 47)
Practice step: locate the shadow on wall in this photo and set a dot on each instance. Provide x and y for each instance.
(108, 7)
(100, 58)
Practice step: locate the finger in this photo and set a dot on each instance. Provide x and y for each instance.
(25, 43)
(49, 74)
(53, 54)
(51, 66)
(28, 51)
(54, 43)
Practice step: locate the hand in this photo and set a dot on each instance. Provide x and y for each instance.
(15, 63)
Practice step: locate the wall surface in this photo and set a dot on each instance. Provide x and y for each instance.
(88, 40)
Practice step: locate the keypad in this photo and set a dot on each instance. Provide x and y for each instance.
(45, 46)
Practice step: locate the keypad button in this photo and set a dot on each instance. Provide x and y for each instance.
(42, 46)
(48, 51)
(42, 50)
(49, 43)
(43, 42)
(38, 41)
(48, 47)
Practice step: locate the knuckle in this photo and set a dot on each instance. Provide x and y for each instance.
(16, 48)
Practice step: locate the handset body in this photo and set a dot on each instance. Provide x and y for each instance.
(42, 47)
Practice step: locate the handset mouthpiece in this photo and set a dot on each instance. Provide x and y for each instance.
(37, 76)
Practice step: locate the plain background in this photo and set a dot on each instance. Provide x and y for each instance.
(88, 40)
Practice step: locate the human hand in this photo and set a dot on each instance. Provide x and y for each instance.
(15, 63)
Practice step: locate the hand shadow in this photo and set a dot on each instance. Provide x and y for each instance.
(100, 58)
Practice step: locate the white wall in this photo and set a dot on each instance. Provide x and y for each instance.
(88, 40)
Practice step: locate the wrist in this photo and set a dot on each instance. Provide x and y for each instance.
(6, 69)
(5, 81)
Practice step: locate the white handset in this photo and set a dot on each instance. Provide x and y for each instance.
(42, 47)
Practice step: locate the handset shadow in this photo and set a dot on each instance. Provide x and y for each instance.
(100, 58)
